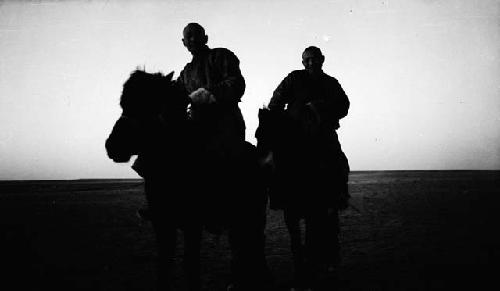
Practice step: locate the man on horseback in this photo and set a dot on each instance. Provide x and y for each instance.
(214, 84)
(311, 169)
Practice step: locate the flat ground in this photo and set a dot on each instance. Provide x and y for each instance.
(411, 230)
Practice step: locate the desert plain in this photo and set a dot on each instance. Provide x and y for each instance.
(407, 230)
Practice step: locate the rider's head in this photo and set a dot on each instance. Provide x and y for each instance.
(194, 38)
(313, 59)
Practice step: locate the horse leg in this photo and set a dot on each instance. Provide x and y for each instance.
(292, 221)
(166, 237)
(332, 238)
(247, 223)
(315, 244)
(192, 246)
(322, 245)
(247, 242)
(165, 232)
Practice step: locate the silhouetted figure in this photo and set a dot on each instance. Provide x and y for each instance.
(214, 83)
(297, 136)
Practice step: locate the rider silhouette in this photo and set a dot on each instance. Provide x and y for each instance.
(314, 102)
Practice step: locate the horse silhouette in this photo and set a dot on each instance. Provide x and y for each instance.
(307, 175)
(186, 188)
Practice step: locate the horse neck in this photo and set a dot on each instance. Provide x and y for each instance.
(173, 119)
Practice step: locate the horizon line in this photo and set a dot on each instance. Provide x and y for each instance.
(139, 178)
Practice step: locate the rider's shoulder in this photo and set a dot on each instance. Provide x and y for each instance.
(222, 52)
(297, 75)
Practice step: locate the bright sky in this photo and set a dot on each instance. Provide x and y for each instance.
(422, 75)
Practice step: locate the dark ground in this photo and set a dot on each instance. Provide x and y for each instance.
(415, 230)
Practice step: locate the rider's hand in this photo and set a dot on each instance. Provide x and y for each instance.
(313, 109)
(202, 96)
(267, 161)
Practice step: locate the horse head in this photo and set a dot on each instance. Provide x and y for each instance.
(274, 129)
(146, 98)
(147, 95)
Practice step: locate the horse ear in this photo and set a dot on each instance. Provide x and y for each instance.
(170, 75)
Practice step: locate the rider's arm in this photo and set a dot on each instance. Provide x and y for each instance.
(232, 85)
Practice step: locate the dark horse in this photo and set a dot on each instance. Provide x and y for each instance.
(185, 187)
(308, 180)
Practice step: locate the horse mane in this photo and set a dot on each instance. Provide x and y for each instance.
(146, 93)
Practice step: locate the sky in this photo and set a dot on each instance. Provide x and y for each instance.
(421, 75)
